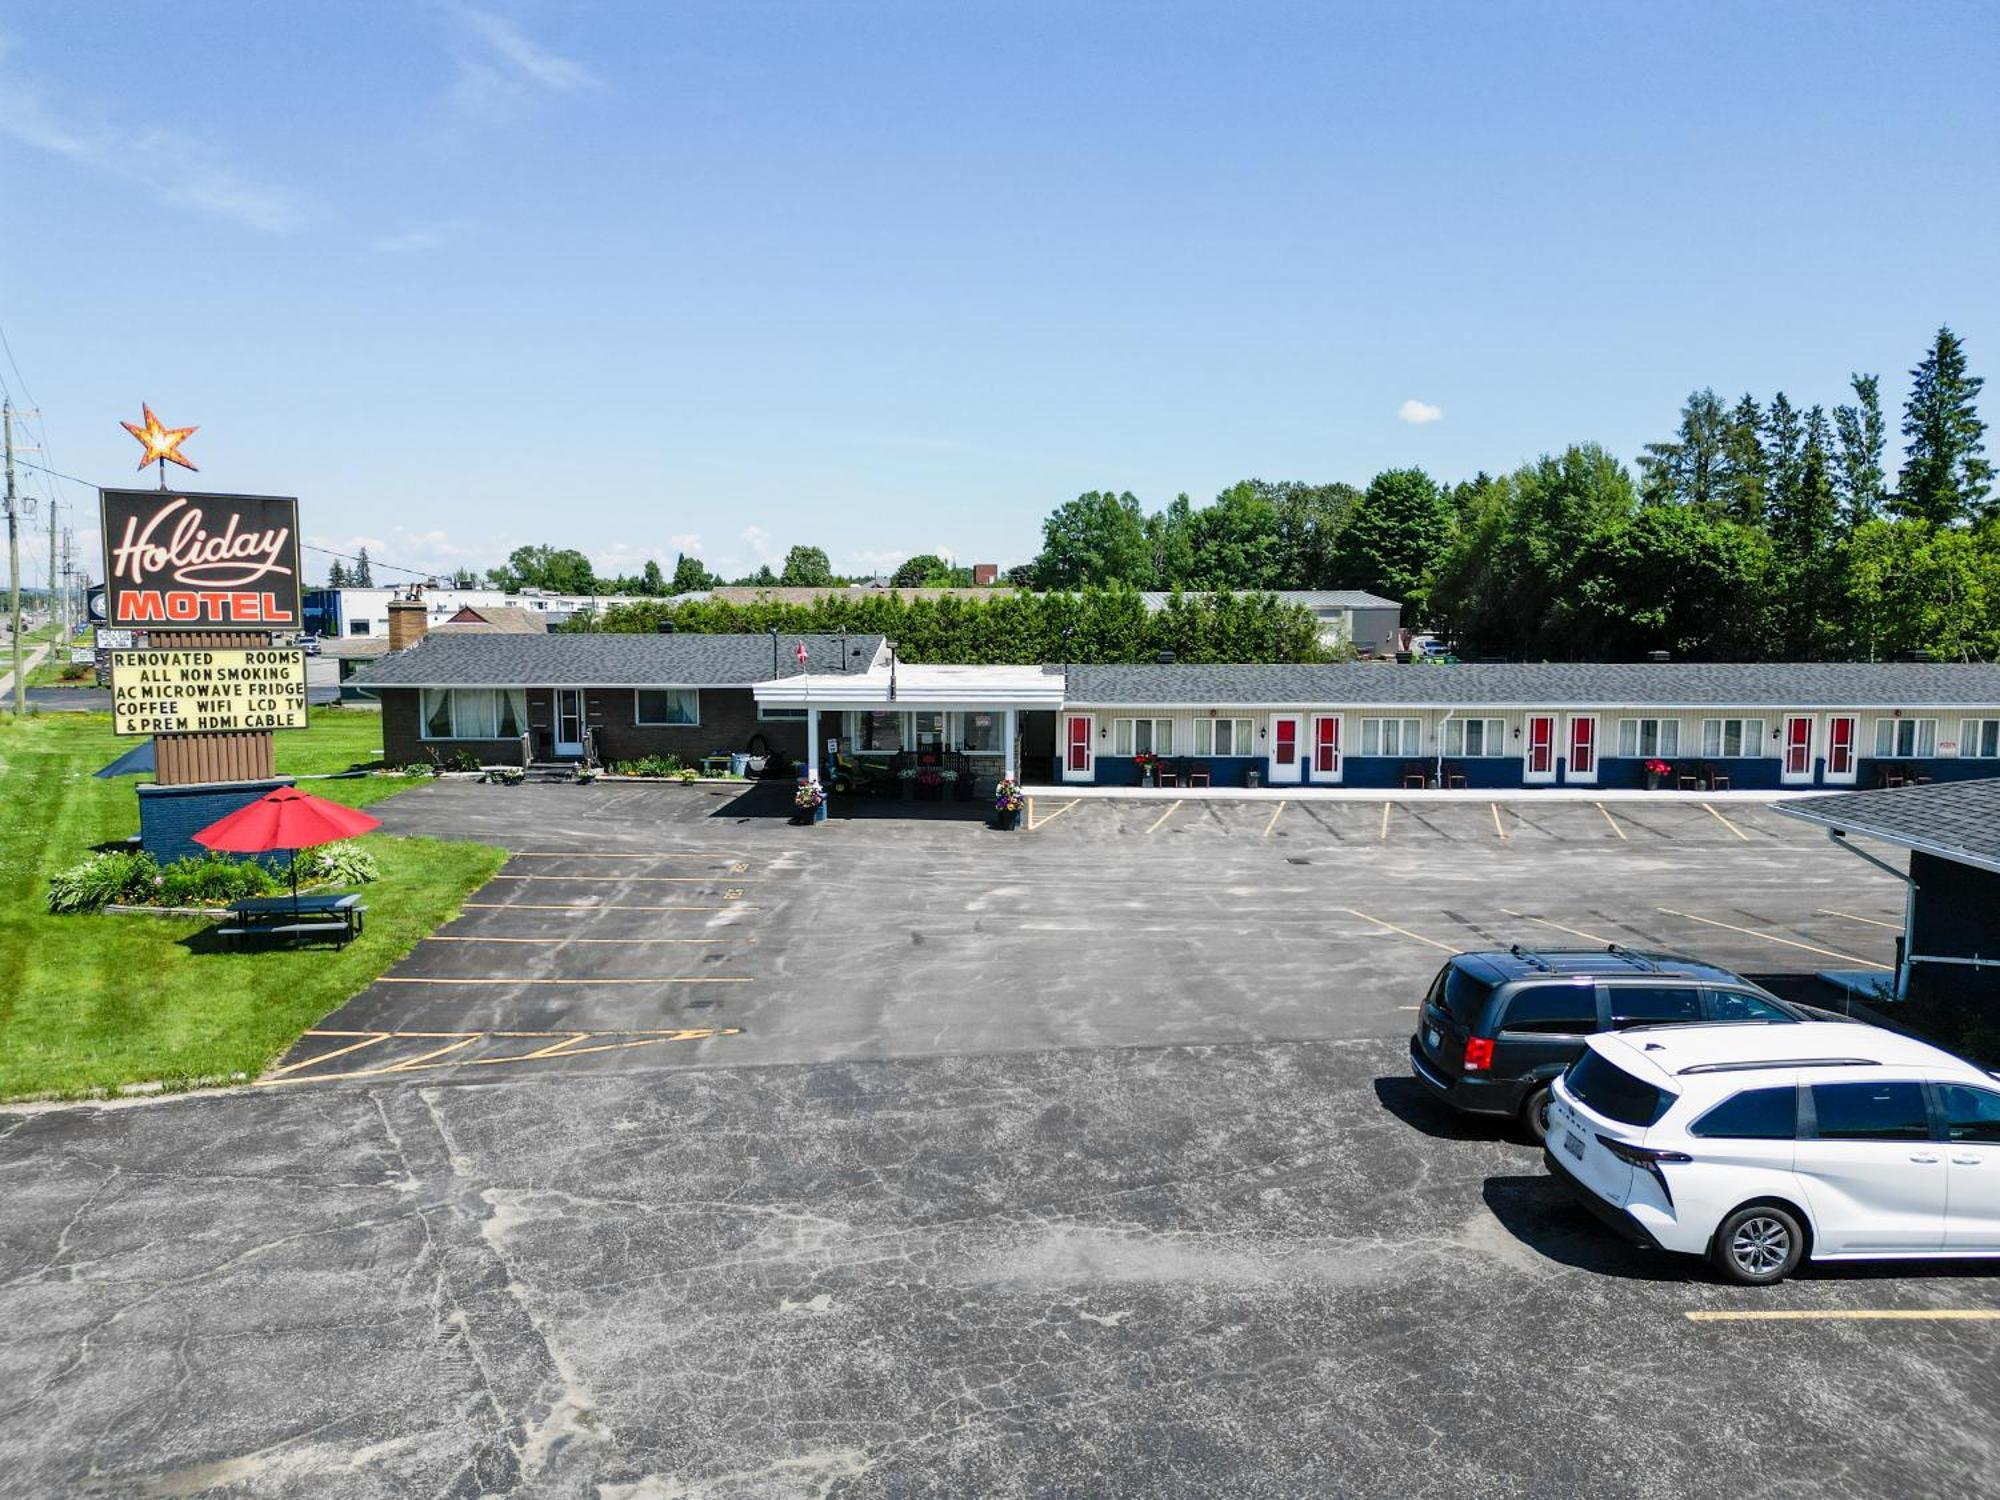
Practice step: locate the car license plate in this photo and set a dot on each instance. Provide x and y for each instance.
(1431, 1038)
(1573, 1144)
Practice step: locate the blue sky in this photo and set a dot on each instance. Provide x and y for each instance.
(890, 278)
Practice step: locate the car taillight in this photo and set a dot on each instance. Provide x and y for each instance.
(1478, 1054)
(1647, 1159)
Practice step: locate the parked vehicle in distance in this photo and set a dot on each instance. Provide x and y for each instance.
(1760, 1147)
(1497, 1028)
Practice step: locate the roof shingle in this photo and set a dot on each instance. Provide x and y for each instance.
(1956, 819)
(611, 660)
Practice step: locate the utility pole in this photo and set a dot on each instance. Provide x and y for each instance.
(52, 575)
(14, 559)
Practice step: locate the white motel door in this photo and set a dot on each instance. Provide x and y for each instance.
(1079, 749)
(1840, 766)
(1798, 767)
(1538, 761)
(1582, 764)
(569, 721)
(1288, 761)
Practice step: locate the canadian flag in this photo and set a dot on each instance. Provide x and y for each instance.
(800, 653)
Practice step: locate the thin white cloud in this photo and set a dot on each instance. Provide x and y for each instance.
(527, 59)
(499, 69)
(1416, 413)
(172, 167)
(417, 239)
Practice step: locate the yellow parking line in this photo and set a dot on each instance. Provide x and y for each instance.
(1383, 836)
(1392, 927)
(1572, 931)
(515, 979)
(1276, 812)
(1856, 1315)
(422, 1058)
(1827, 911)
(1611, 820)
(439, 937)
(591, 906)
(367, 1041)
(1726, 823)
(1772, 937)
(1033, 825)
(1163, 818)
(1496, 822)
(641, 879)
(461, 1039)
(656, 854)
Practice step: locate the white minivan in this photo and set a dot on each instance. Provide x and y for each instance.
(1759, 1146)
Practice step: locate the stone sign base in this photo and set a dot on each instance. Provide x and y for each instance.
(170, 816)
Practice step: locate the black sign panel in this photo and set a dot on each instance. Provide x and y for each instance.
(200, 562)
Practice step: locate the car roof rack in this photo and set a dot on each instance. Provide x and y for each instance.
(1533, 960)
(1780, 1062)
(1645, 961)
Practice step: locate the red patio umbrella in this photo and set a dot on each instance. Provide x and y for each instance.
(285, 819)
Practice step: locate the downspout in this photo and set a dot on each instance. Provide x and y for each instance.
(1437, 769)
(1839, 839)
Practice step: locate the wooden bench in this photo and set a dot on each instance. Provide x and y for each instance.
(293, 930)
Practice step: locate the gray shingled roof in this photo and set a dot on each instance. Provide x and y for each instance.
(1548, 685)
(1958, 820)
(609, 660)
(1310, 598)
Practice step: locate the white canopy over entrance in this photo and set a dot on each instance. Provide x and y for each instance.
(1003, 692)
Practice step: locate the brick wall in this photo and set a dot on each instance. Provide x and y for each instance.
(170, 816)
(728, 722)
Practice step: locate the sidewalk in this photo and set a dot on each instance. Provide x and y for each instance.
(30, 659)
(1428, 794)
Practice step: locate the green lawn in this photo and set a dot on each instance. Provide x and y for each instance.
(91, 1002)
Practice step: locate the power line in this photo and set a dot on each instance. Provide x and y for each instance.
(58, 473)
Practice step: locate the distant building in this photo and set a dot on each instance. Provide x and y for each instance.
(984, 574)
(348, 613)
(495, 619)
(1369, 623)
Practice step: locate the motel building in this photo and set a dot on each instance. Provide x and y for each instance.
(605, 698)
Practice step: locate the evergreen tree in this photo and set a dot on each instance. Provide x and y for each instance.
(1945, 474)
(362, 577)
(1803, 545)
(1396, 537)
(1864, 436)
(336, 576)
(1784, 440)
(1692, 469)
(1746, 468)
(1170, 539)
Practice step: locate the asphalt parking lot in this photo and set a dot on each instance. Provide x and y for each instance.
(1077, 1162)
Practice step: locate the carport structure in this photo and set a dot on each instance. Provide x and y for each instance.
(1951, 924)
(975, 710)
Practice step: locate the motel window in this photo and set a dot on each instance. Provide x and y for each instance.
(1649, 737)
(666, 706)
(474, 713)
(1222, 737)
(1979, 738)
(357, 627)
(1142, 736)
(1725, 738)
(769, 715)
(1392, 736)
(879, 731)
(1915, 737)
(980, 734)
(1470, 738)
(927, 729)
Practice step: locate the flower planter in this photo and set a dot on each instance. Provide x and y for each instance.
(1652, 781)
(1007, 819)
(819, 813)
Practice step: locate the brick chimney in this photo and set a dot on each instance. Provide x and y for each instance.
(409, 620)
(985, 573)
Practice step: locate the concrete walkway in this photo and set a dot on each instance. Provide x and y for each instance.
(29, 661)
(1428, 794)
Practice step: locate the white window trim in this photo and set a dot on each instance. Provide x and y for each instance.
(1242, 734)
(1492, 738)
(1405, 725)
(1916, 750)
(1744, 737)
(1969, 732)
(639, 723)
(1639, 751)
(519, 697)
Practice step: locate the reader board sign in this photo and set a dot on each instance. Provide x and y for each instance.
(211, 690)
(201, 562)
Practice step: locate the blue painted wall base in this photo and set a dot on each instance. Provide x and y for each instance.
(170, 816)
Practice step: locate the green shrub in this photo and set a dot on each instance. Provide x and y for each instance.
(650, 765)
(213, 881)
(102, 880)
(344, 863)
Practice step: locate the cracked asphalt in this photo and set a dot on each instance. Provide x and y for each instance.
(1142, 1203)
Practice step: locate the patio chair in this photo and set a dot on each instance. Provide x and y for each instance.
(1716, 777)
(1414, 774)
(1454, 774)
(1197, 774)
(1687, 777)
(1165, 774)
(1891, 774)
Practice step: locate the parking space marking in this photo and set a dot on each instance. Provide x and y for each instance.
(592, 906)
(1572, 931)
(1856, 1315)
(1611, 820)
(1033, 825)
(636, 879)
(1162, 818)
(522, 979)
(1725, 822)
(1276, 813)
(1772, 937)
(458, 1041)
(1392, 927)
(1827, 911)
(439, 937)
(1382, 837)
(1496, 821)
(608, 854)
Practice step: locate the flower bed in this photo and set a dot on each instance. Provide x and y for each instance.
(135, 880)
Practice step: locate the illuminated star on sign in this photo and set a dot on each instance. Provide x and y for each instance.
(162, 444)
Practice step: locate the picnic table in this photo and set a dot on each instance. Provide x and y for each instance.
(334, 914)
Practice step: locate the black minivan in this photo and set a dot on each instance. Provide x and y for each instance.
(1497, 1027)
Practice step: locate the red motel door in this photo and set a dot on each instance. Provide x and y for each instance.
(1840, 749)
(1541, 746)
(1583, 748)
(1079, 745)
(1798, 748)
(1326, 746)
(1287, 741)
